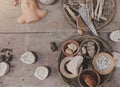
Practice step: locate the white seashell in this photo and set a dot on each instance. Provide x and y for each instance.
(72, 46)
(47, 2)
(28, 58)
(116, 56)
(4, 68)
(115, 36)
(74, 64)
(84, 51)
(41, 72)
(69, 51)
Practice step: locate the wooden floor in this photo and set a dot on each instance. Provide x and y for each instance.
(37, 37)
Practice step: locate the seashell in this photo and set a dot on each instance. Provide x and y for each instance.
(28, 58)
(74, 64)
(47, 2)
(72, 46)
(115, 36)
(91, 48)
(90, 43)
(91, 52)
(84, 51)
(41, 72)
(116, 56)
(69, 51)
(4, 68)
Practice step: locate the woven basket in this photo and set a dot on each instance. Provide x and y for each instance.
(90, 72)
(68, 42)
(108, 56)
(104, 47)
(97, 46)
(108, 12)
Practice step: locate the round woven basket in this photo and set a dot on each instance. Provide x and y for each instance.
(108, 12)
(64, 46)
(109, 57)
(97, 46)
(90, 72)
(73, 82)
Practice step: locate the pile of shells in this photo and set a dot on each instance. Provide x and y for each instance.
(70, 48)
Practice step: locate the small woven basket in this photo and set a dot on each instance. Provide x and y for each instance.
(109, 57)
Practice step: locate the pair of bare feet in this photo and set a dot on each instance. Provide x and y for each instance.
(30, 11)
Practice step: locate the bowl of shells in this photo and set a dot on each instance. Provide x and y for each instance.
(89, 48)
(94, 67)
(70, 47)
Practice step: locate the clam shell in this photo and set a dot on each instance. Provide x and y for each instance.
(4, 68)
(115, 36)
(41, 72)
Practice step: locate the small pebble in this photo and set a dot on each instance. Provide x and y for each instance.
(54, 46)
(90, 80)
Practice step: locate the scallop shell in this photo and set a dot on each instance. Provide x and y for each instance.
(28, 58)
